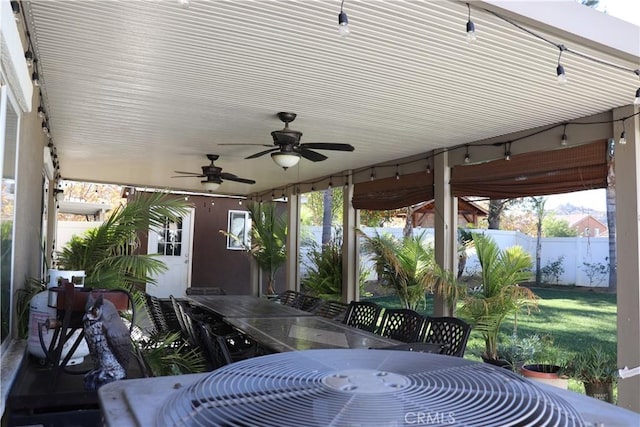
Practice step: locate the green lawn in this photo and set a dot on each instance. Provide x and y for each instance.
(575, 318)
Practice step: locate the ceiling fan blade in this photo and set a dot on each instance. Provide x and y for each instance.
(232, 177)
(310, 155)
(262, 153)
(189, 173)
(248, 145)
(328, 146)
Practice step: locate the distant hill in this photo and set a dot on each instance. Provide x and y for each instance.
(569, 209)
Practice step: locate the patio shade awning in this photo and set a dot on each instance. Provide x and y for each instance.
(393, 193)
(534, 174)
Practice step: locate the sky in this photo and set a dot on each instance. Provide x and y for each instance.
(628, 10)
(595, 200)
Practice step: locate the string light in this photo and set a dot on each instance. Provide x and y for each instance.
(467, 158)
(563, 141)
(343, 22)
(373, 174)
(28, 56)
(428, 168)
(636, 101)
(346, 181)
(471, 28)
(623, 139)
(507, 151)
(184, 4)
(397, 172)
(562, 77)
(41, 113)
(45, 129)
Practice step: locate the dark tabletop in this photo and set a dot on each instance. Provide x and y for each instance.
(244, 306)
(303, 333)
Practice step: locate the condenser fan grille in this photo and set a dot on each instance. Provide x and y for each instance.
(364, 388)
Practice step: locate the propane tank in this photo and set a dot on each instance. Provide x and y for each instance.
(40, 310)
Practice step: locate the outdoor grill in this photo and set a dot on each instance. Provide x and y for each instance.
(364, 388)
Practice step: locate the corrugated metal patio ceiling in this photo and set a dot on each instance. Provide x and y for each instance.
(138, 89)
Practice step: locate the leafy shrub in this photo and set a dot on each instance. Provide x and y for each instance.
(553, 270)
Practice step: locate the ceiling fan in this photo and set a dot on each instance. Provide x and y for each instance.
(213, 175)
(288, 149)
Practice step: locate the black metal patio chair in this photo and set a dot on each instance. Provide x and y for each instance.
(363, 315)
(451, 332)
(334, 310)
(401, 324)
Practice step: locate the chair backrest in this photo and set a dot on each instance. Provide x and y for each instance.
(180, 315)
(155, 313)
(288, 297)
(450, 331)
(401, 324)
(306, 302)
(215, 347)
(204, 290)
(363, 315)
(332, 310)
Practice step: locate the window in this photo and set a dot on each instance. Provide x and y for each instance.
(170, 238)
(238, 229)
(9, 141)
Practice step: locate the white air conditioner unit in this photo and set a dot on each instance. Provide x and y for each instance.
(49, 170)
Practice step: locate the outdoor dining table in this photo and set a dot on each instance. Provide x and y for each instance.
(283, 334)
(230, 306)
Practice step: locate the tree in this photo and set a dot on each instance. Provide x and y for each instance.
(268, 240)
(496, 208)
(327, 215)
(552, 226)
(538, 208)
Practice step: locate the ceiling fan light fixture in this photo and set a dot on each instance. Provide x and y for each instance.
(285, 160)
(210, 186)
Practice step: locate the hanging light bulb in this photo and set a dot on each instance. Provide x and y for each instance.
(35, 78)
(343, 22)
(28, 56)
(397, 172)
(373, 175)
(45, 128)
(184, 4)
(41, 113)
(623, 139)
(428, 168)
(561, 75)
(507, 151)
(563, 141)
(471, 28)
(467, 158)
(637, 100)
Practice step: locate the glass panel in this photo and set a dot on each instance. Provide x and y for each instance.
(238, 230)
(7, 213)
(169, 238)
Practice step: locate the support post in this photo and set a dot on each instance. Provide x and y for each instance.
(627, 176)
(445, 217)
(350, 247)
(292, 267)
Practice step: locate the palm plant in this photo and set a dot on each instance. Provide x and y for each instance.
(408, 266)
(107, 253)
(268, 240)
(502, 271)
(324, 270)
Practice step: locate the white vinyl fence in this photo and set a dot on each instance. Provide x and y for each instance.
(582, 257)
